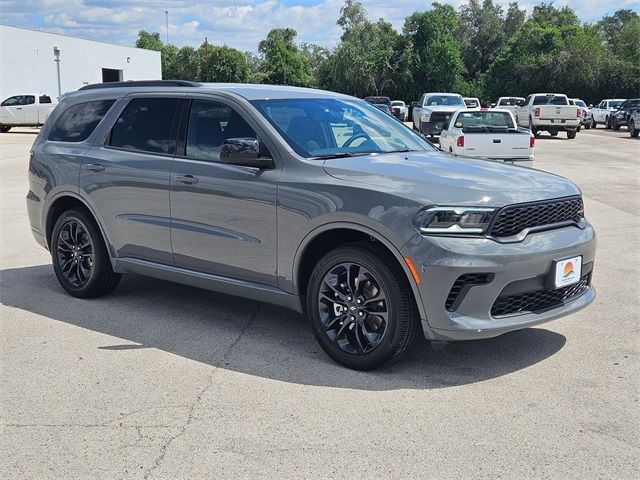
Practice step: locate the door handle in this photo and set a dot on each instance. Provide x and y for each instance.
(94, 167)
(186, 179)
(497, 140)
(18, 108)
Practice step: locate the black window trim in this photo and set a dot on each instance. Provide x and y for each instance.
(97, 127)
(173, 131)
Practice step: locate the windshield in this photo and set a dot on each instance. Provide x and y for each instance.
(550, 100)
(471, 102)
(397, 103)
(484, 119)
(511, 101)
(326, 127)
(437, 100)
(615, 103)
(581, 103)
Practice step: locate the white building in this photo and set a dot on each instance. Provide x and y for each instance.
(28, 62)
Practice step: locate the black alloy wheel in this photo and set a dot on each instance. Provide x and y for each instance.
(353, 308)
(360, 305)
(75, 255)
(80, 258)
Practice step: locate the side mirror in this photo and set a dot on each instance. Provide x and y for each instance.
(246, 152)
(415, 104)
(493, 105)
(591, 105)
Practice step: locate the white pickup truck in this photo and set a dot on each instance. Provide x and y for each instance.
(512, 104)
(603, 111)
(488, 133)
(30, 110)
(434, 110)
(551, 112)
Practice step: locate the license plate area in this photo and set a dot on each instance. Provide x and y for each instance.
(566, 272)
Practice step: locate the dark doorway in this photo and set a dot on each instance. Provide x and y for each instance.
(111, 75)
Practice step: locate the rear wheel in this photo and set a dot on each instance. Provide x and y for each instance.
(554, 133)
(607, 123)
(571, 134)
(633, 130)
(4, 128)
(533, 129)
(360, 307)
(593, 123)
(80, 257)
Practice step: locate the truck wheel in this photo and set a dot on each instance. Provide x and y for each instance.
(554, 133)
(587, 126)
(593, 123)
(571, 134)
(533, 129)
(4, 129)
(80, 257)
(614, 124)
(360, 306)
(607, 123)
(633, 131)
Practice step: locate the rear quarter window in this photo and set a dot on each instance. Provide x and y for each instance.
(79, 121)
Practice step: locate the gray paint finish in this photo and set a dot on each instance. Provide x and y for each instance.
(243, 231)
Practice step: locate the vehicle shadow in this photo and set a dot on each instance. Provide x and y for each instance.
(258, 339)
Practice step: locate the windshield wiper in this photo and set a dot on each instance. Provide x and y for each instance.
(340, 155)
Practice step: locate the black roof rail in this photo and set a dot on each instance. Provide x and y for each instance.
(142, 83)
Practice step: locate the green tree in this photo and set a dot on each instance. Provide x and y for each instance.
(514, 19)
(223, 64)
(481, 34)
(283, 62)
(435, 60)
(149, 41)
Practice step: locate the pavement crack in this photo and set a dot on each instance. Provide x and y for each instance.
(209, 383)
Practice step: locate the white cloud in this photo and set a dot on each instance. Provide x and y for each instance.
(238, 23)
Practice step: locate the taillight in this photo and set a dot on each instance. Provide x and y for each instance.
(536, 112)
(532, 141)
(460, 141)
(30, 159)
(578, 113)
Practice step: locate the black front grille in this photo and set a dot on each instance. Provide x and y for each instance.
(437, 117)
(512, 219)
(538, 300)
(462, 285)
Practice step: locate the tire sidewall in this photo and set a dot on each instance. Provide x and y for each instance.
(390, 343)
(98, 258)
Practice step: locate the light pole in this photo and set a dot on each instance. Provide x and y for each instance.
(56, 54)
(166, 16)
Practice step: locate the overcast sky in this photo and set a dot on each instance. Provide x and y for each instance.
(241, 24)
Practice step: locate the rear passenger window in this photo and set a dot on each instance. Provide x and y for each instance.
(210, 124)
(78, 122)
(146, 124)
(29, 100)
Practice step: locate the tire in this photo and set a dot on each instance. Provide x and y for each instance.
(4, 128)
(554, 133)
(352, 347)
(607, 123)
(533, 129)
(579, 128)
(587, 126)
(571, 134)
(83, 271)
(614, 124)
(633, 131)
(593, 123)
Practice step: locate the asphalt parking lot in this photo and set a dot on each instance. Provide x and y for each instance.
(160, 380)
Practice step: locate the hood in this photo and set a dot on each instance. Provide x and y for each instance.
(443, 108)
(438, 178)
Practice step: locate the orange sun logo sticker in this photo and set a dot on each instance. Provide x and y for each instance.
(568, 269)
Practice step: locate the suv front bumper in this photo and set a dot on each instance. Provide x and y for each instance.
(513, 269)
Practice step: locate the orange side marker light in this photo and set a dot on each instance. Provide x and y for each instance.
(412, 269)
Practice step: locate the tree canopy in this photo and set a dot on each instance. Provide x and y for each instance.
(481, 49)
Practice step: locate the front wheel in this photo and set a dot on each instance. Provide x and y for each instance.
(593, 123)
(607, 123)
(4, 128)
(80, 257)
(633, 131)
(360, 307)
(614, 124)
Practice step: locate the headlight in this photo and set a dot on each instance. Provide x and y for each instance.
(425, 117)
(454, 219)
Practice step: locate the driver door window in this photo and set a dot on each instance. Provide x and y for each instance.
(12, 101)
(210, 124)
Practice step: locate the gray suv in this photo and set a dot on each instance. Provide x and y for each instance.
(308, 199)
